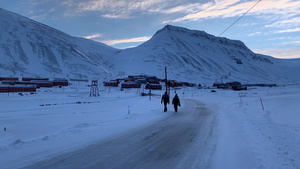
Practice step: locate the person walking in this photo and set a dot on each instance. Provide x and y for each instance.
(166, 100)
(176, 102)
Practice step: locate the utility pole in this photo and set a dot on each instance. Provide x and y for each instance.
(166, 79)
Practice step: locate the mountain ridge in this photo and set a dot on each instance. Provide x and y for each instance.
(25, 41)
(199, 57)
(34, 49)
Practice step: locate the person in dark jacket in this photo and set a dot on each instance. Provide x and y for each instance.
(176, 102)
(165, 99)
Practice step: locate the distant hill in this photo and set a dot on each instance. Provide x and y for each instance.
(34, 49)
(192, 55)
(30, 48)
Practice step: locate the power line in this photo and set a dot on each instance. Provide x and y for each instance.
(240, 17)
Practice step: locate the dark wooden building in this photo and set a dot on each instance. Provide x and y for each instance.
(34, 79)
(153, 86)
(60, 82)
(16, 88)
(111, 83)
(9, 78)
(127, 85)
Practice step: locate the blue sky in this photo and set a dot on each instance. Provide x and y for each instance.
(272, 27)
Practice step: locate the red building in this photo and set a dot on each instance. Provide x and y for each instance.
(60, 82)
(111, 83)
(9, 78)
(153, 86)
(16, 88)
(39, 83)
(127, 85)
(174, 83)
(32, 78)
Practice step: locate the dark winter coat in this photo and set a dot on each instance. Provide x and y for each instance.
(176, 100)
(165, 99)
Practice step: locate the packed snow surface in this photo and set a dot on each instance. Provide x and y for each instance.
(256, 128)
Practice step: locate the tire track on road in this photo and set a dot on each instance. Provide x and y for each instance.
(186, 139)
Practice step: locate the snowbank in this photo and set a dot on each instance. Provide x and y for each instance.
(258, 128)
(58, 120)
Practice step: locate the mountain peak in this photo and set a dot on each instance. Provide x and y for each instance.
(208, 39)
(32, 48)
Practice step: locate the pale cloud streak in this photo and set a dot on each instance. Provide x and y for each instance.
(289, 30)
(281, 53)
(131, 40)
(121, 8)
(255, 34)
(233, 8)
(292, 22)
(97, 35)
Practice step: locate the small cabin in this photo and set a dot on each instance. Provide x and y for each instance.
(34, 79)
(9, 78)
(128, 85)
(174, 83)
(153, 81)
(60, 82)
(111, 83)
(235, 83)
(153, 86)
(16, 88)
(141, 81)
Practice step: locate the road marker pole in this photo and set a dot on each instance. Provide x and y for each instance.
(262, 105)
(241, 102)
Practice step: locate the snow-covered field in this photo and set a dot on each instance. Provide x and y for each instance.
(58, 120)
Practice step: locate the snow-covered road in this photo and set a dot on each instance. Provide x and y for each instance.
(222, 129)
(186, 139)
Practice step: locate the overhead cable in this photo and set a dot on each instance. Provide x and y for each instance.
(240, 17)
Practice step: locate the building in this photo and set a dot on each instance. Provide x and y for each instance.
(173, 83)
(33, 78)
(60, 82)
(153, 86)
(39, 83)
(111, 83)
(9, 78)
(127, 85)
(17, 88)
(234, 83)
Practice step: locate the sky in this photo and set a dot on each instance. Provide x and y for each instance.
(271, 27)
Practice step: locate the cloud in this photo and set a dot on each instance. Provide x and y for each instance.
(97, 35)
(255, 34)
(233, 8)
(131, 40)
(121, 8)
(129, 8)
(292, 22)
(115, 16)
(288, 30)
(43, 15)
(293, 42)
(281, 53)
(296, 42)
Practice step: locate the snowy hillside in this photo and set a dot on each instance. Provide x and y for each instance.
(31, 48)
(199, 57)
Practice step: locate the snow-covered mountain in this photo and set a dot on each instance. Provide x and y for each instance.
(30, 48)
(34, 49)
(192, 55)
